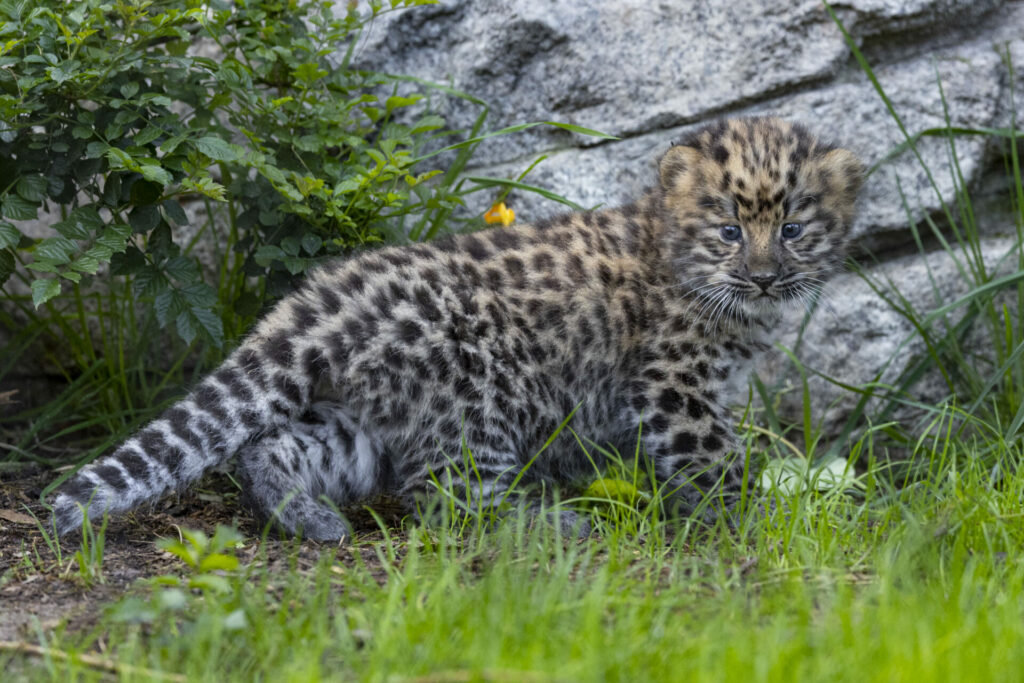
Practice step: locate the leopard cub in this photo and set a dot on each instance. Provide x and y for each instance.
(376, 373)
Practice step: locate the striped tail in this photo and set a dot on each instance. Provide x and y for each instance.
(229, 407)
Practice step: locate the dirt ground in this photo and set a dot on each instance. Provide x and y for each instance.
(36, 591)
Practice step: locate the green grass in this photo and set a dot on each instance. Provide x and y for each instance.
(923, 582)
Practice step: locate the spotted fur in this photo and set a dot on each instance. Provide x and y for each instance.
(381, 367)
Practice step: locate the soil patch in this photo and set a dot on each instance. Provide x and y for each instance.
(38, 589)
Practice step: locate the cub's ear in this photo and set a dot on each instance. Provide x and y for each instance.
(678, 162)
(847, 170)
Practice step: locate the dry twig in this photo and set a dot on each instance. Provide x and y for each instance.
(86, 659)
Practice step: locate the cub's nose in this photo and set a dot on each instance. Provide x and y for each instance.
(763, 280)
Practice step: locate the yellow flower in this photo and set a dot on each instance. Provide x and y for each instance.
(499, 213)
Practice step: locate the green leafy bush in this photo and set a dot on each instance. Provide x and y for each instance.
(146, 132)
(118, 113)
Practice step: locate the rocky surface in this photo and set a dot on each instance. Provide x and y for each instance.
(649, 72)
(855, 336)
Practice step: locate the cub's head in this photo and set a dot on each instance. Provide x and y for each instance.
(758, 211)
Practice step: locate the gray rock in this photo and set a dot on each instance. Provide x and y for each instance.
(856, 338)
(851, 113)
(888, 16)
(628, 68)
(624, 67)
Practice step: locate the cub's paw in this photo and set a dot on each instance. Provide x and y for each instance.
(570, 524)
(308, 520)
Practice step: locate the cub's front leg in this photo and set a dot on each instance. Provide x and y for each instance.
(690, 438)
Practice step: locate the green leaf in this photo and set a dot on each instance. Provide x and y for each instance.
(99, 252)
(71, 229)
(174, 212)
(9, 235)
(218, 561)
(149, 281)
(186, 325)
(126, 116)
(309, 143)
(32, 187)
(145, 192)
(396, 101)
(88, 216)
(210, 582)
(16, 208)
(470, 142)
(119, 229)
(156, 174)
(63, 71)
(55, 183)
(427, 124)
(270, 218)
(217, 149)
(43, 290)
(43, 266)
(199, 295)
(144, 218)
(173, 599)
(547, 194)
(86, 263)
(273, 174)
(185, 553)
(573, 128)
(267, 253)
(114, 238)
(290, 245)
(372, 113)
(182, 269)
(172, 143)
(55, 249)
(311, 243)
(349, 185)
(236, 620)
(80, 223)
(165, 304)
(308, 72)
(294, 264)
(159, 100)
(96, 149)
(212, 325)
(147, 135)
(132, 261)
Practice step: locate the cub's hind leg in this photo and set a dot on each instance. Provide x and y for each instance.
(288, 473)
(488, 481)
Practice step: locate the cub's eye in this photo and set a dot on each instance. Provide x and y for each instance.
(730, 233)
(791, 231)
